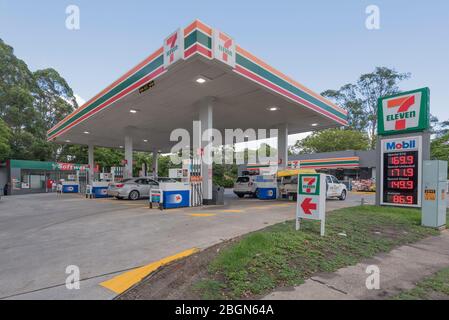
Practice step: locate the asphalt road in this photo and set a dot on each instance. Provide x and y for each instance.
(40, 235)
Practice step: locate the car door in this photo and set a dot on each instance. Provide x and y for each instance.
(329, 186)
(336, 187)
(142, 187)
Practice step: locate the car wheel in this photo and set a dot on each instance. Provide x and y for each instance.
(343, 195)
(134, 195)
(240, 195)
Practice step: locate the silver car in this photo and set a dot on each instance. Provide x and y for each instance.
(135, 188)
(132, 189)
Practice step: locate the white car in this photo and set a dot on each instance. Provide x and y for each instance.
(335, 189)
(245, 185)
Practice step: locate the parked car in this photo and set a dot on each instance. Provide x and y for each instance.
(244, 185)
(133, 189)
(335, 188)
(288, 187)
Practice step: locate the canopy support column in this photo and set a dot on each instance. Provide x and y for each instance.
(91, 162)
(201, 139)
(155, 164)
(283, 146)
(128, 172)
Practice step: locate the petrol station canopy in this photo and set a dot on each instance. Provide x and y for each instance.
(162, 92)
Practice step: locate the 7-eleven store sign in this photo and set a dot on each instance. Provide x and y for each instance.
(224, 48)
(311, 200)
(405, 112)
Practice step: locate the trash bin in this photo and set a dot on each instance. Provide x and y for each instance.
(217, 194)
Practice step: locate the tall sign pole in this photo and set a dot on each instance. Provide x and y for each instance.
(403, 142)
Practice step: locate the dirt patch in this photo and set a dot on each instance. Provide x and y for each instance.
(174, 281)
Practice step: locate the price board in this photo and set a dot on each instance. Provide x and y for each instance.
(401, 161)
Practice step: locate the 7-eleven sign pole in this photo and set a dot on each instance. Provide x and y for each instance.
(311, 203)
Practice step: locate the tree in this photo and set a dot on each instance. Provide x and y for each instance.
(439, 148)
(332, 140)
(360, 99)
(30, 104)
(5, 135)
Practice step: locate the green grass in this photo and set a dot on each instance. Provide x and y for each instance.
(280, 256)
(433, 287)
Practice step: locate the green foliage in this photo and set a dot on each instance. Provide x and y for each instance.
(30, 104)
(224, 175)
(332, 140)
(435, 287)
(281, 256)
(5, 136)
(360, 98)
(439, 148)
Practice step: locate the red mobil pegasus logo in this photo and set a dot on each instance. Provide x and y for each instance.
(402, 113)
(171, 43)
(225, 47)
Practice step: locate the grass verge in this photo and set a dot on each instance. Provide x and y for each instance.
(279, 256)
(435, 287)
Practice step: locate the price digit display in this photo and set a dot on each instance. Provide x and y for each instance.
(400, 172)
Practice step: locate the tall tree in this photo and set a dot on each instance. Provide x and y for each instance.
(360, 99)
(30, 104)
(5, 135)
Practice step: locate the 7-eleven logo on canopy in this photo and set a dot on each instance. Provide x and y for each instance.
(407, 111)
(224, 48)
(173, 47)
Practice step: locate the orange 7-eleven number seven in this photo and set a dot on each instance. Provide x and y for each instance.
(310, 181)
(227, 42)
(404, 103)
(171, 43)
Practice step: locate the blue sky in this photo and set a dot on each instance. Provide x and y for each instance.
(322, 44)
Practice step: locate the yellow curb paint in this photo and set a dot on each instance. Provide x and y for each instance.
(232, 211)
(126, 280)
(202, 214)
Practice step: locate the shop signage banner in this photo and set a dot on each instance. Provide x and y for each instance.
(311, 200)
(404, 112)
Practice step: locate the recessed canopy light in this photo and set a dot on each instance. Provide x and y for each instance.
(86, 132)
(273, 108)
(67, 141)
(200, 80)
(314, 124)
(121, 147)
(145, 140)
(133, 111)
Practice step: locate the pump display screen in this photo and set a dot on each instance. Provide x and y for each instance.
(400, 173)
(401, 178)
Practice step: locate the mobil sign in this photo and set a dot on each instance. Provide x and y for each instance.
(404, 112)
(407, 144)
(311, 199)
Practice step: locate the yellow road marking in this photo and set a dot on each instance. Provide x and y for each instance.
(126, 280)
(232, 211)
(202, 214)
(363, 192)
